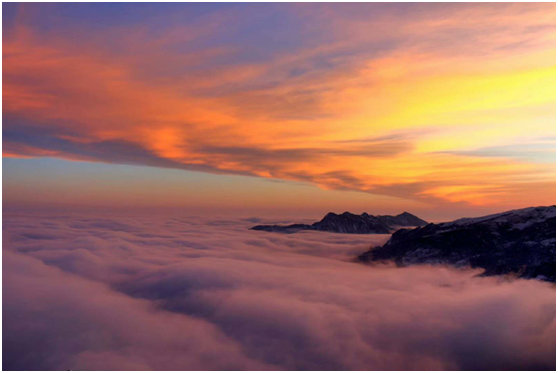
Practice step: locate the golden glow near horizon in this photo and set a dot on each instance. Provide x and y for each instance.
(443, 104)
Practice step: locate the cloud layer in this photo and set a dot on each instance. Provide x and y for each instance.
(132, 292)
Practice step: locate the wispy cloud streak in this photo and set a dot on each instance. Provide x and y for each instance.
(430, 85)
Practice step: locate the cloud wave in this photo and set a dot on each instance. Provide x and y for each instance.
(137, 292)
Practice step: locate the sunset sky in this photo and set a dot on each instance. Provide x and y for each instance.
(442, 110)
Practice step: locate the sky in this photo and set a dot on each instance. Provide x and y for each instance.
(443, 110)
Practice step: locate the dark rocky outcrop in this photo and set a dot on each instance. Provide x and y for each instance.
(350, 223)
(519, 242)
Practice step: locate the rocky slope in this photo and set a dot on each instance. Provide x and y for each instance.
(520, 242)
(351, 223)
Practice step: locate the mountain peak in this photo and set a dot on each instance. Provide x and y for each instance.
(521, 242)
(351, 223)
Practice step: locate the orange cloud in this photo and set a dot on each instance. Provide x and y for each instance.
(390, 122)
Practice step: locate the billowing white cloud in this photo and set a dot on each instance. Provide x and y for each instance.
(130, 292)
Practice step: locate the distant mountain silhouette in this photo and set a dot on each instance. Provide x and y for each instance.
(520, 242)
(350, 223)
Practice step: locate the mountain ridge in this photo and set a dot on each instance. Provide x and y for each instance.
(351, 223)
(520, 242)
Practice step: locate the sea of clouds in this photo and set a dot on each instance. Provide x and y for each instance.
(167, 293)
